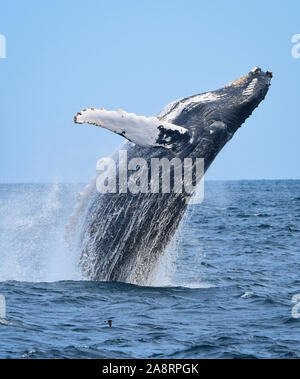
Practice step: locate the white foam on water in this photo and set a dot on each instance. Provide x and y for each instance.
(201, 285)
(5, 322)
(246, 295)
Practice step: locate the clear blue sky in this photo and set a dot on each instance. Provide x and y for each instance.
(139, 55)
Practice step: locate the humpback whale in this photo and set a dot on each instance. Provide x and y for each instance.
(124, 235)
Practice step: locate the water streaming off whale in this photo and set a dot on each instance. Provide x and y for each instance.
(33, 232)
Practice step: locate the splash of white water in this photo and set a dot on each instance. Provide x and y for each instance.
(32, 228)
(32, 246)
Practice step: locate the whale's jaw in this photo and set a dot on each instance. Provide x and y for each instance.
(244, 95)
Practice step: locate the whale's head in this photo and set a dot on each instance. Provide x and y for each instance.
(216, 116)
(241, 97)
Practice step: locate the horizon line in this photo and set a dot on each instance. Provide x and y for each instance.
(208, 180)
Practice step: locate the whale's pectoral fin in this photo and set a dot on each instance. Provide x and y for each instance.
(143, 131)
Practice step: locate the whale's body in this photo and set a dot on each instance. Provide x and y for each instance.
(124, 235)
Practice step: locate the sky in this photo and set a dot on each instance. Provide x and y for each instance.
(139, 55)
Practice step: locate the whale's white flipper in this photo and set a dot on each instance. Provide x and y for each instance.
(143, 131)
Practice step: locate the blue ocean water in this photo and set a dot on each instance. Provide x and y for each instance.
(224, 290)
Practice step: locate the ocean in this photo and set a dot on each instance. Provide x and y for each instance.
(223, 290)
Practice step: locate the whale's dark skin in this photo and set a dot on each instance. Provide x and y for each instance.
(125, 235)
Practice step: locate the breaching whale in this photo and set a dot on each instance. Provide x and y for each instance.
(124, 235)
